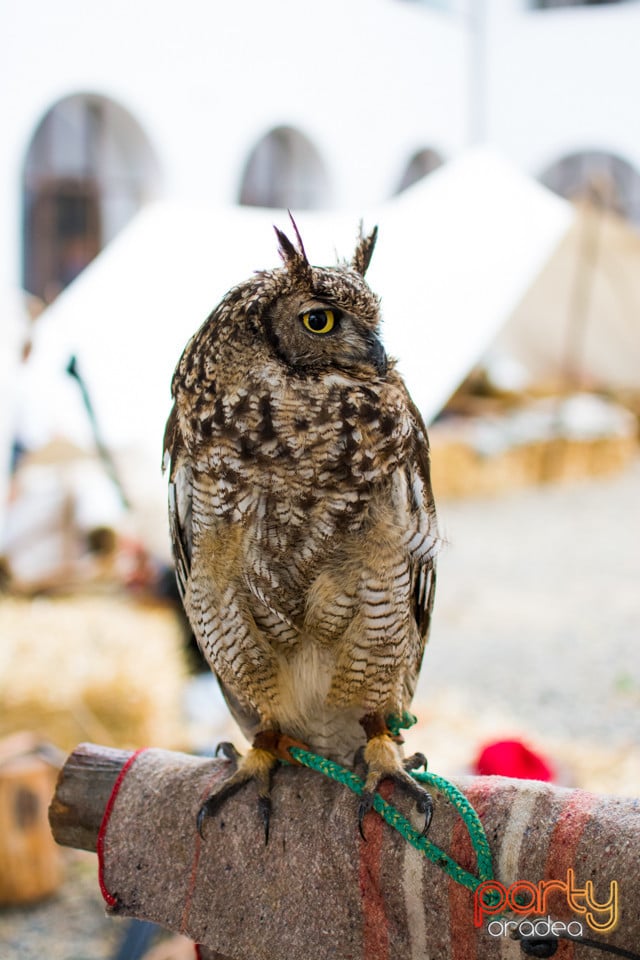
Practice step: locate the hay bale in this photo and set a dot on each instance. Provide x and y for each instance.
(548, 440)
(91, 667)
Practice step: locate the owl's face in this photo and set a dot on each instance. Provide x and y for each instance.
(312, 332)
(325, 317)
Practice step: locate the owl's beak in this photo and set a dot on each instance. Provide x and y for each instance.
(376, 354)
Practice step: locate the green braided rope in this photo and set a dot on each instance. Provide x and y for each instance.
(471, 820)
(396, 820)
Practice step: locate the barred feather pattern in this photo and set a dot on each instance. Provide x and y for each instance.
(301, 511)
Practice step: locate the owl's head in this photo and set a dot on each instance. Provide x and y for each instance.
(323, 318)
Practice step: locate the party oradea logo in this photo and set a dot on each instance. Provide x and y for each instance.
(524, 899)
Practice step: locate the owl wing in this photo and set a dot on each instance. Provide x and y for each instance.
(423, 544)
(180, 500)
(176, 460)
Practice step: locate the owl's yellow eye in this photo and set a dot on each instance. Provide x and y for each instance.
(319, 320)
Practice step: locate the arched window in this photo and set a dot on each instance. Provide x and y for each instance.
(604, 178)
(421, 164)
(284, 169)
(88, 169)
(551, 4)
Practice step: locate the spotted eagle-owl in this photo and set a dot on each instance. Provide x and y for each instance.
(302, 519)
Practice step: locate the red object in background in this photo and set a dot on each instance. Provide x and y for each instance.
(511, 758)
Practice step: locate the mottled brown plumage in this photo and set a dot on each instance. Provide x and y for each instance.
(301, 512)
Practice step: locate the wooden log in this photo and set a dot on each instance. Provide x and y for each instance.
(318, 890)
(84, 786)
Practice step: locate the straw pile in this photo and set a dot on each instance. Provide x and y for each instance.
(459, 470)
(545, 441)
(99, 668)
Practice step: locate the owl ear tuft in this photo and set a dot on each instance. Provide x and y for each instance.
(364, 251)
(294, 259)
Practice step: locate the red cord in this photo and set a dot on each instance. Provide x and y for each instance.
(110, 900)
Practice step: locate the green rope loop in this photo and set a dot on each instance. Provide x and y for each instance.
(437, 856)
(396, 723)
(400, 823)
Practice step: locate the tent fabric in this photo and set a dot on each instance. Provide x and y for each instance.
(579, 322)
(455, 255)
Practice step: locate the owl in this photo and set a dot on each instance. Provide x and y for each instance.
(303, 522)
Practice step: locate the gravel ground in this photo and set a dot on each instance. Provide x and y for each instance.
(70, 926)
(535, 633)
(537, 626)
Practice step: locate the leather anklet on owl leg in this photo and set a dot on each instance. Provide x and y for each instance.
(383, 761)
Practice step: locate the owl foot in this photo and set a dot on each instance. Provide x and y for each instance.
(269, 748)
(256, 765)
(383, 762)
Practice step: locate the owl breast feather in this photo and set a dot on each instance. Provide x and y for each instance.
(322, 434)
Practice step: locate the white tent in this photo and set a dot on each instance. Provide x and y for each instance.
(456, 255)
(579, 322)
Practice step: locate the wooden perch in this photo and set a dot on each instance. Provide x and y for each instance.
(317, 890)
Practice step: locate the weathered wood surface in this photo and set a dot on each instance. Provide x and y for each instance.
(82, 793)
(317, 890)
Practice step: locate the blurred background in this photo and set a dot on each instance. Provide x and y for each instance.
(147, 148)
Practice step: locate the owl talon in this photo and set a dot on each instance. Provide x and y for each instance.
(414, 762)
(384, 763)
(264, 809)
(423, 801)
(258, 765)
(358, 760)
(208, 808)
(228, 751)
(366, 804)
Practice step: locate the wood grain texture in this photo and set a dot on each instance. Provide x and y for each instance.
(82, 793)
